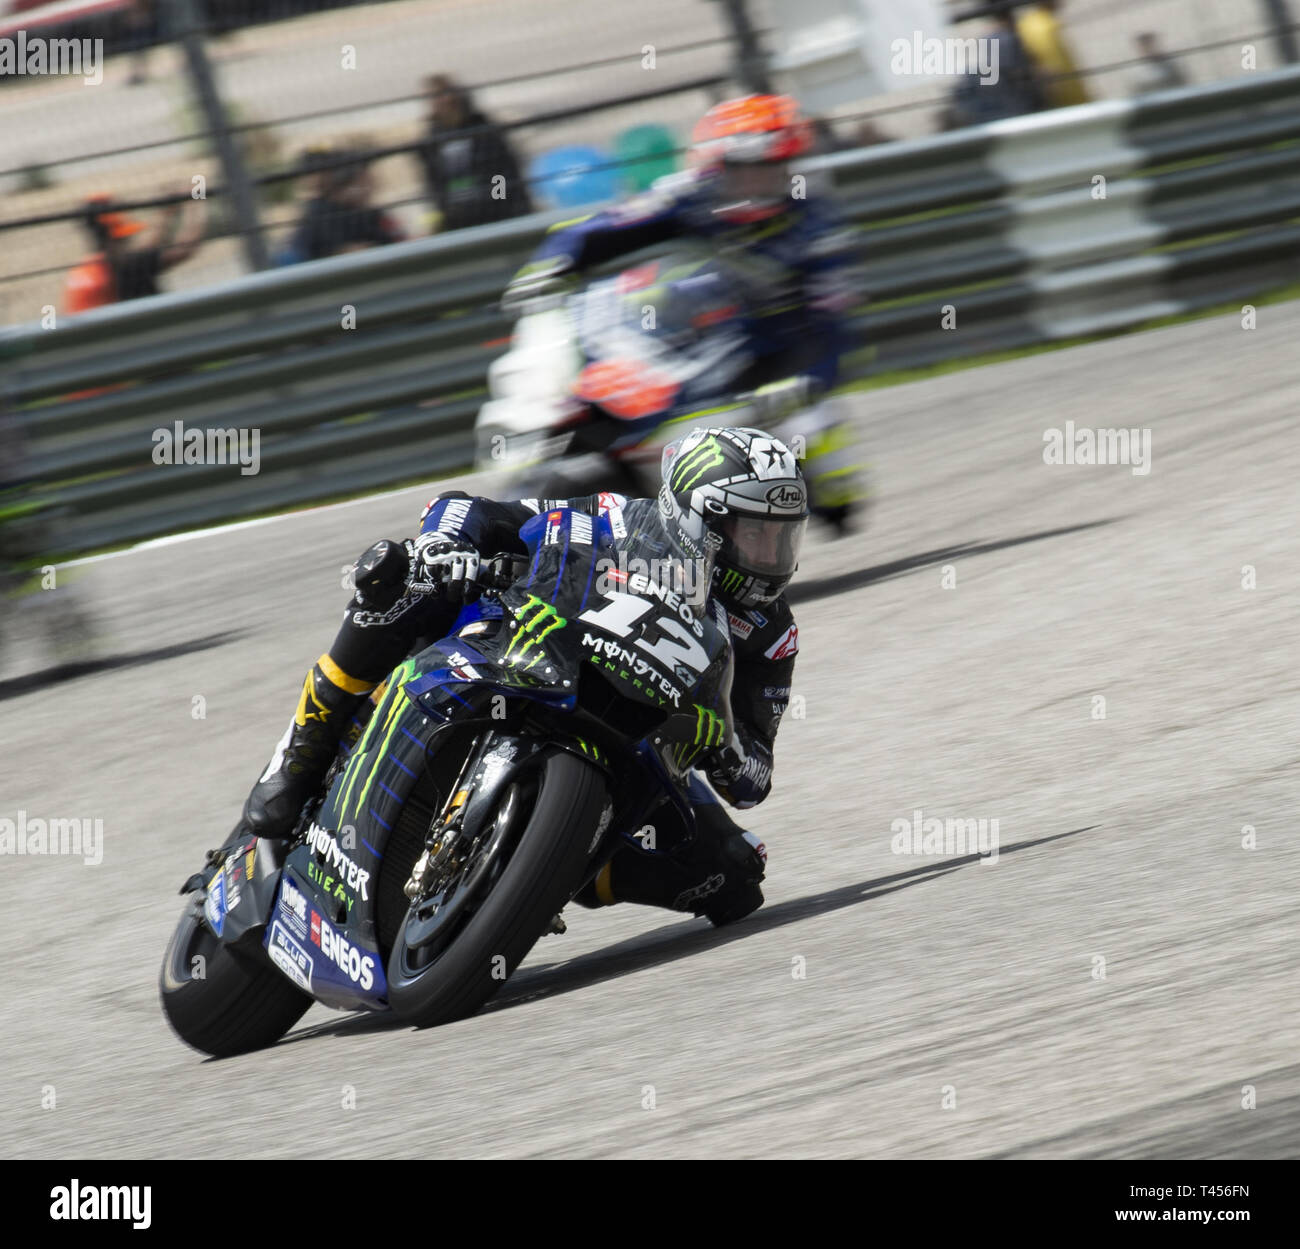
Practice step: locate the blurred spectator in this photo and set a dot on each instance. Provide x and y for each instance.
(1042, 38)
(868, 134)
(460, 170)
(1158, 72)
(825, 138)
(121, 269)
(1016, 91)
(340, 216)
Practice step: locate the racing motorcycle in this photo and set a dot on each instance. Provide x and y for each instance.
(596, 383)
(499, 769)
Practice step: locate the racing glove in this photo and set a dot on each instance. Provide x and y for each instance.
(548, 278)
(741, 772)
(443, 563)
(780, 398)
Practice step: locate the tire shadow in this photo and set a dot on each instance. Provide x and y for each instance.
(682, 938)
(685, 938)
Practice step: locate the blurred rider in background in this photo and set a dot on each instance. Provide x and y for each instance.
(742, 197)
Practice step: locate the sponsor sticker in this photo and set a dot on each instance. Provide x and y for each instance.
(455, 516)
(289, 956)
(784, 646)
(788, 496)
(580, 528)
(354, 962)
(740, 628)
(293, 907)
(214, 905)
(611, 507)
(325, 844)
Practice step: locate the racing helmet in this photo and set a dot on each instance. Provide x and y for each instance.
(741, 147)
(738, 495)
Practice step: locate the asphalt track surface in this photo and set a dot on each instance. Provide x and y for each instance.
(949, 1007)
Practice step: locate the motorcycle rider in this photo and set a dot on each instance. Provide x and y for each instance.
(715, 503)
(741, 198)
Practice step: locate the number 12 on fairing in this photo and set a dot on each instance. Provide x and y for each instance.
(623, 611)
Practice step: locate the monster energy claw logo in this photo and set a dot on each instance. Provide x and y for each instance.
(731, 579)
(710, 729)
(533, 612)
(697, 461)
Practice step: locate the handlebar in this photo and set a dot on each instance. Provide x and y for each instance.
(501, 571)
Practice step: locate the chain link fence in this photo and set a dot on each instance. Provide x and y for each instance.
(328, 108)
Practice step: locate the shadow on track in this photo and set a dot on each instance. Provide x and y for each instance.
(679, 939)
(66, 672)
(823, 587)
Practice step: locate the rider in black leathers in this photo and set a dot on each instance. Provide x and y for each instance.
(716, 482)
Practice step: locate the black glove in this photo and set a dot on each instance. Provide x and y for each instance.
(742, 776)
(441, 562)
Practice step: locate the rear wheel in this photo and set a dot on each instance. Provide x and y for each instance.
(221, 1000)
(453, 953)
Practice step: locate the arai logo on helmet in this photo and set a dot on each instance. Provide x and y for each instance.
(785, 496)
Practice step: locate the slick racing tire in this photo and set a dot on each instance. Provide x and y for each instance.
(544, 857)
(232, 1001)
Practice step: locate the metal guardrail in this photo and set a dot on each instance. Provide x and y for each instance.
(1026, 231)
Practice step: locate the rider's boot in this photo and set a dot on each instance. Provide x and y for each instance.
(329, 699)
(717, 876)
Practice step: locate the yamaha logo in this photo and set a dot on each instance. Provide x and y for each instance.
(785, 496)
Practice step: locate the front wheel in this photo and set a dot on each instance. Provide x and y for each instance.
(220, 1000)
(537, 869)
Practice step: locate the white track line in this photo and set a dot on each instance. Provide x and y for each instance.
(190, 535)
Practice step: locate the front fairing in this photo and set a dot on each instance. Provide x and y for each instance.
(608, 595)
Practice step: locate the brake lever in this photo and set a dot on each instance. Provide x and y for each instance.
(501, 572)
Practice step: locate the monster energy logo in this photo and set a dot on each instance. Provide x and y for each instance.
(731, 580)
(527, 619)
(383, 723)
(710, 729)
(697, 461)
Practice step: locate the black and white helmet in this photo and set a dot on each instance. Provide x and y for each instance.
(736, 495)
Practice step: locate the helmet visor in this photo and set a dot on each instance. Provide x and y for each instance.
(763, 546)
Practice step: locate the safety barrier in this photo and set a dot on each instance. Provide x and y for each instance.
(368, 369)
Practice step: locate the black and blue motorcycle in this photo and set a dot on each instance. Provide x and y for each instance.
(498, 770)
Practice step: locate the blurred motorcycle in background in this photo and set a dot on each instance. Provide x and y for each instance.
(598, 381)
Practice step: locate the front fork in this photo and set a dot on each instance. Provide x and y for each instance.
(492, 764)
(449, 825)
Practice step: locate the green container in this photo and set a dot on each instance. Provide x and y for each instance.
(644, 153)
